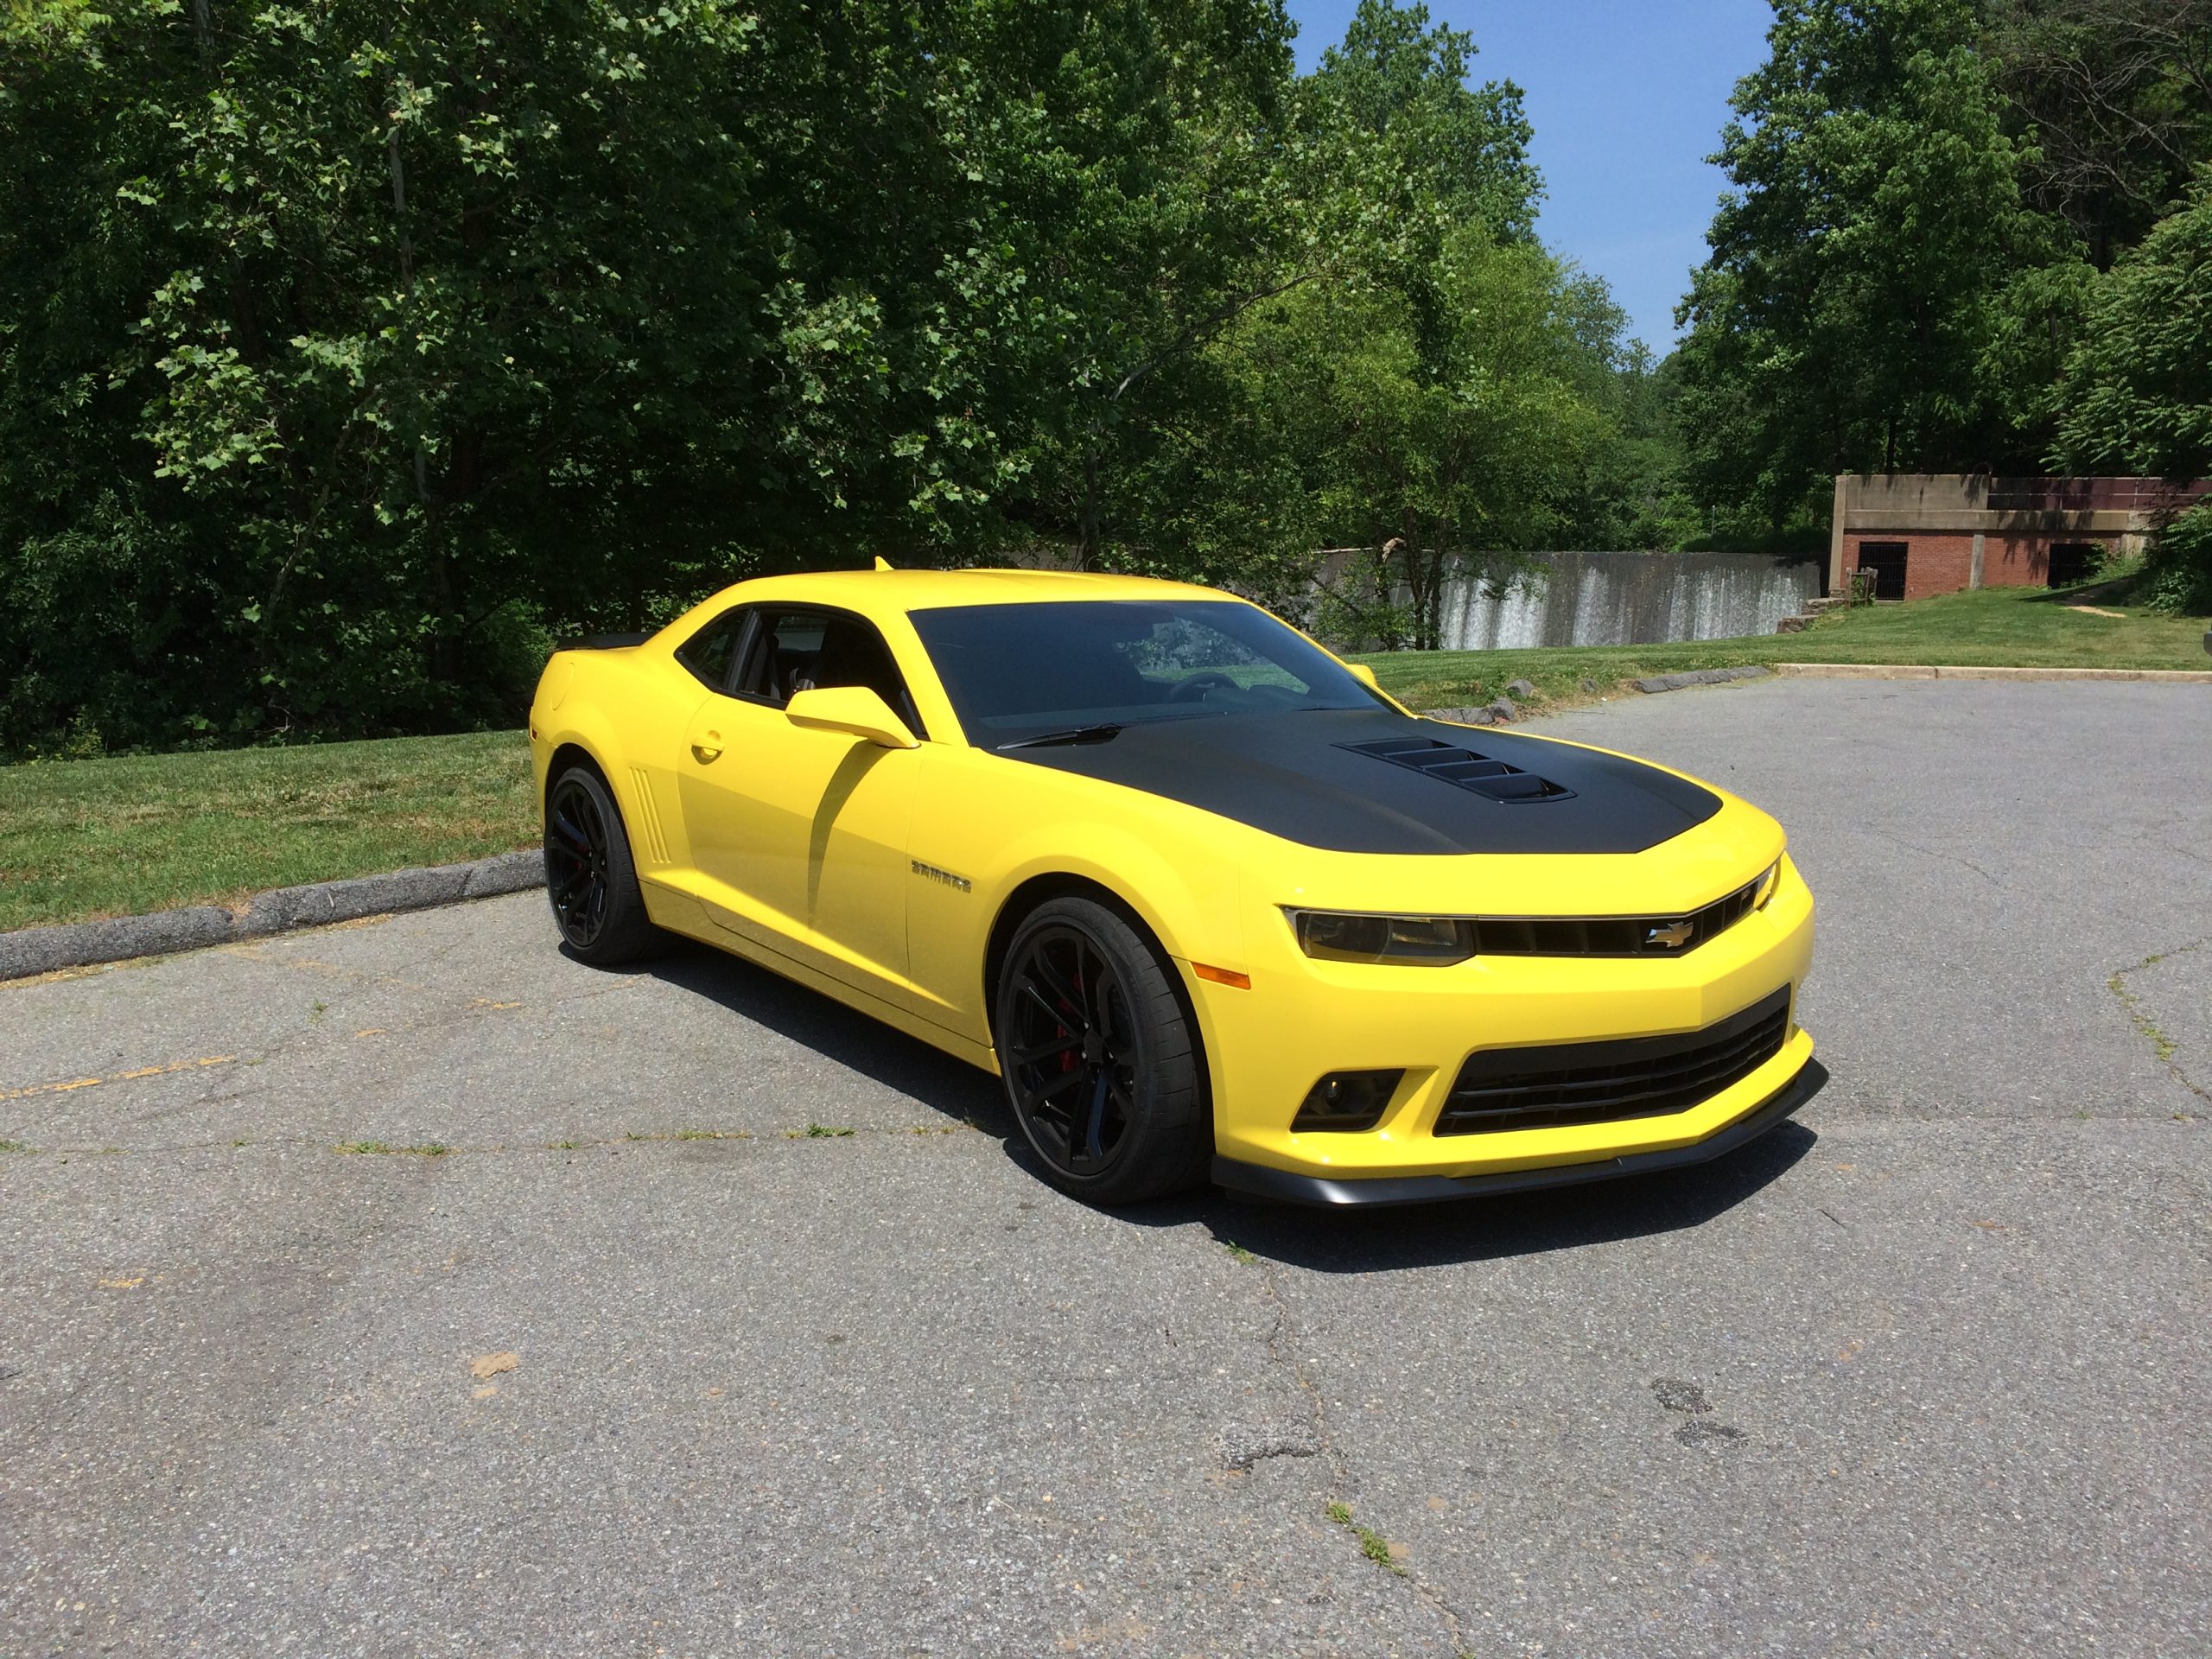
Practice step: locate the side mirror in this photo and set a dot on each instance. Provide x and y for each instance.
(1365, 675)
(854, 709)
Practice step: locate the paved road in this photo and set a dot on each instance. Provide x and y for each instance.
(1926, 1374)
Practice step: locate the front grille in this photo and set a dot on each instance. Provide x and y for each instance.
(1610, 936)
(1561, 1083)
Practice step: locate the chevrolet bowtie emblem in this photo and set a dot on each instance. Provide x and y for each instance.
(1669, 936)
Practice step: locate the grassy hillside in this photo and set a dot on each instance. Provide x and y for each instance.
(84, 838)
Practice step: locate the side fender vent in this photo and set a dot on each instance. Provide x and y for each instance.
(1464, 769)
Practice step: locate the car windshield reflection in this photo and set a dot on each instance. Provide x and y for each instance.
(1069, 671)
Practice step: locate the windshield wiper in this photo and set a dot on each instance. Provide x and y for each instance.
(1105, 732)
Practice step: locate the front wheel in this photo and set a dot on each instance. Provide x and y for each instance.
(1101, 1063)
(590, 875)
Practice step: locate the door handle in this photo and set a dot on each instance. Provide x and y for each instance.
(708, 747)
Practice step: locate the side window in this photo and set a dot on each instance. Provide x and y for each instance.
(709, 652)
(800, 651)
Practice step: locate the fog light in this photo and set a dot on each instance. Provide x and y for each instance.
(1347, 1101)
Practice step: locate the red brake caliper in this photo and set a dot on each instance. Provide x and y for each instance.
(1068, 1058)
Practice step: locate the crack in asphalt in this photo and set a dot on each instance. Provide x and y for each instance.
(2164, 1046)
(1281, 1353)
(1895, 840)
(366, 1146)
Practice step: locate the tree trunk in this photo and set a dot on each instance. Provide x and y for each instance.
(1087, 549)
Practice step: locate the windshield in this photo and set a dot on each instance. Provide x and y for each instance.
(1019, 672)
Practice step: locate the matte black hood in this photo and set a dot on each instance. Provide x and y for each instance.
(1316, 777)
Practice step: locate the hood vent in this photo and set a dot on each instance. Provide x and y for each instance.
(1464, 769)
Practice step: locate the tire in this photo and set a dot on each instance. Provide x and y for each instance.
(1136, 1122)
(590, 877)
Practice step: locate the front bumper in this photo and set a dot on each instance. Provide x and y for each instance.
(1282, 1186)
(1302, 1018)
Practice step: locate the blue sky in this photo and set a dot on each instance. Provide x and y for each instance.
(1627, 100)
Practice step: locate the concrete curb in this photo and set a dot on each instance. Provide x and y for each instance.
(1698, 676)
(1916, 671)
(76, 944)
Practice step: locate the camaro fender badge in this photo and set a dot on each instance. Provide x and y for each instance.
(1671, 936)
(930, 872)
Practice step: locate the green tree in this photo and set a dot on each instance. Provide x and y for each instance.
(348, 351)
(1430, 450)
(1857, 270)
(2115, 97)
(2138, 387)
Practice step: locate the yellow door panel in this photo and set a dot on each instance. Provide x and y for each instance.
(799, 839)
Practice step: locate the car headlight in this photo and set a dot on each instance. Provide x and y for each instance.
(1422, 941)
(1768, 883)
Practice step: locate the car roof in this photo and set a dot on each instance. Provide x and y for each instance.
(881, 591)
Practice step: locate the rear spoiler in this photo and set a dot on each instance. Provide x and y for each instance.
(603, 642)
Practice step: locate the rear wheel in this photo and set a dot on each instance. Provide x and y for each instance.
(1101, 1062)
(590, 875)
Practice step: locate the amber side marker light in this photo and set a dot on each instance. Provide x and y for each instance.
(1228, 976)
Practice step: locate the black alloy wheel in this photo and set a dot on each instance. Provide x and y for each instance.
(1098, 1057)
(588, 874)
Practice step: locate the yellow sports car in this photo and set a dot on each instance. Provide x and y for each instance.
(1209, 901)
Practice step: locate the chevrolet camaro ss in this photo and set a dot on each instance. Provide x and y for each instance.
(1210, 903)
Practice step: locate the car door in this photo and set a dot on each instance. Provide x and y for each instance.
(798, 836)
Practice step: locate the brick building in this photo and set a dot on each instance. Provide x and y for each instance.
(1924, 533)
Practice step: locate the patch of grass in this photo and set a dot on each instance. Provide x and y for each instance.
(825, 1132)
(14, 1146)
(1372, 1544)
(427, 1149)
(1998, 627)
(1237, 1252)
(564, 1146)
(86, 838)
(2146, 1027)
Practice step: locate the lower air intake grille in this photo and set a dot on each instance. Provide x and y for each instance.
(1561, 1084)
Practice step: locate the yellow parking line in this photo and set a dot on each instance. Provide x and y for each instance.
(66, 1086)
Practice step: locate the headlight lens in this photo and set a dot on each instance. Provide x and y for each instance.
(1767, 884)
(1424, 941)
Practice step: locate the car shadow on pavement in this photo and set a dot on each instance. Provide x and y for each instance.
(1325, 1240)
(849, 1038)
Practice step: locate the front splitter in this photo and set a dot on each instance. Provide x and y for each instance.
(1326, 1192)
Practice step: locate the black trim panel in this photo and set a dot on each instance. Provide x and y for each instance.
(1378, 1191)
(1296, 775)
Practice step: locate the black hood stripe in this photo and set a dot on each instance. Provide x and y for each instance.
(1313, 776)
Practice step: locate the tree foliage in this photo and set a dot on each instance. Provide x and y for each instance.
(1934, 205)
(350, 352)
(2115, 97)
(2138, 387)
(1856, 271)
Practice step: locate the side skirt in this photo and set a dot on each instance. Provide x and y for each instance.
(679, 912)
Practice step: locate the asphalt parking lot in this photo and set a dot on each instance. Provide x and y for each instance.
(656, 1358)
